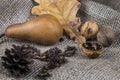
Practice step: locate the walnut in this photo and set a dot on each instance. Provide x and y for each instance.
(89, 29)
(106, 36)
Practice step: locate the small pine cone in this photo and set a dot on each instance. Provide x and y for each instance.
(54, 57)
(46, 56)
(18, 58)
(70, 51)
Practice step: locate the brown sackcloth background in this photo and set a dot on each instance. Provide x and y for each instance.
(79, 67)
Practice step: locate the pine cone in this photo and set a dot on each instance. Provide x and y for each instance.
(49, 54)
(18, 58)
(70, 51)
(54, 57)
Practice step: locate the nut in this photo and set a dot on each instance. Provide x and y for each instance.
(106, 36)
(89, 29)
(92, 49)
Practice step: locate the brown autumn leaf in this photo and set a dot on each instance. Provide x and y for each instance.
(65, 11)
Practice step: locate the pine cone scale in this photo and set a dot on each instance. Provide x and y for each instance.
(18, 58)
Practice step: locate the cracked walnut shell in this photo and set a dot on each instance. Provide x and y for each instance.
(92, 49)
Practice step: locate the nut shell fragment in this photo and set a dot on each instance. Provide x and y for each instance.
(92, 49)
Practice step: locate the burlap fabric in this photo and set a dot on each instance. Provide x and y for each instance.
(79, 67)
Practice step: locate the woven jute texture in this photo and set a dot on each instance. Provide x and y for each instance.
(79, 67)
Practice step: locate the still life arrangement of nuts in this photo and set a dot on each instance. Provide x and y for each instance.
(56, 18)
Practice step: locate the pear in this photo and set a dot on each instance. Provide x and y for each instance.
(44, 29)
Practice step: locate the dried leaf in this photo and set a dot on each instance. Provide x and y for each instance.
(64, 10)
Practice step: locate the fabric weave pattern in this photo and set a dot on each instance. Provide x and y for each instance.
(79, 67)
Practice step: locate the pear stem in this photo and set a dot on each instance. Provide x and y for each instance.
(2, 35)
